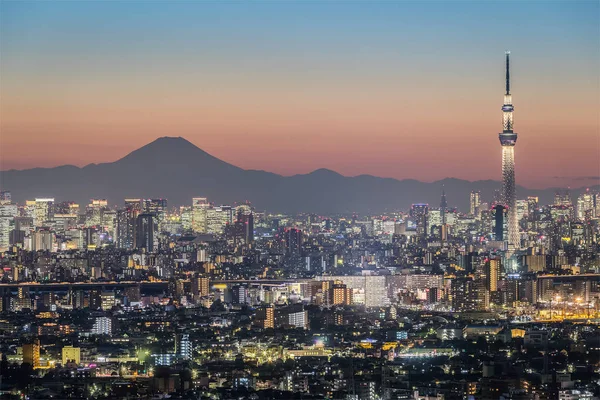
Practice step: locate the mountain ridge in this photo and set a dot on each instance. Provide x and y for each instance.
(175, 168)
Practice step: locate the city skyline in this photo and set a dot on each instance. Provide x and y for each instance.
(300, 200)
(354, 103)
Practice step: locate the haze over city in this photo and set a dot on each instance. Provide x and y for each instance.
(391, 89)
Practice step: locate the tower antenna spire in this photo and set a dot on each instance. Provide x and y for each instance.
(507, 72)
(508, 140)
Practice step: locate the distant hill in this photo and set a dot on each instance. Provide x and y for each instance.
(176, 169)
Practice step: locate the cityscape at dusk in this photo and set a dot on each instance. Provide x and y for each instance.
(346, 200)
(392, 89)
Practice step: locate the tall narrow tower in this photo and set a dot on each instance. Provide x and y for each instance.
(508, 139)
(443, 207)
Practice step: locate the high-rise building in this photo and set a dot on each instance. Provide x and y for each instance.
(43, 240)
(293, 241)
(419, 214)
(8, 211)
(492, 274)
(126, 223)
(200, 286)
(562, 198)
(443, 207)
(94, 211)
(522, 209)
(468, 294)
(217, 218)
(200, 207)
(508, 140)
(500, 221)
(31, 354)
(157, 207)
(475, 201)
(585, 205)
(41, 210)
(183, 346)
(146, 232)
(532, 205)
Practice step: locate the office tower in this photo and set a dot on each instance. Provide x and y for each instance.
(562, 198)
(199, 213)
(122, 222)
(8, 211)
(31, 354)
(43, 240)
(94, 211)
(293, 241)
(40, 210)
(243, 228)
(500, 222)
(186, 216)
(108, 221)
(419, 214)
(247, 221)
(217, 218)
(475, 201)
(508, 139)
(585, 205)
(126, 223)
(522, 209)
(66, 207)
(157, 207)
(146, 232)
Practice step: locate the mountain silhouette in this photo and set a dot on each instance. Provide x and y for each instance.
(174, 168)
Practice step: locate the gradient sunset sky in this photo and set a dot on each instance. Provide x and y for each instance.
(393, 89)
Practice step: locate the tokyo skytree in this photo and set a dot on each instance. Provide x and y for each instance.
(508, 139)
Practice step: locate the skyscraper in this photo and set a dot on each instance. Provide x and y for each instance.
(146, 230)
(508, 139)
(443, 207)
(585, 205)
(500, 223)
(419, 214)
(293, 241)
(475, 201)
(200, 206)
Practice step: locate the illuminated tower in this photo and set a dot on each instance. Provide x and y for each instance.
(508, 139)
(443, 207)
